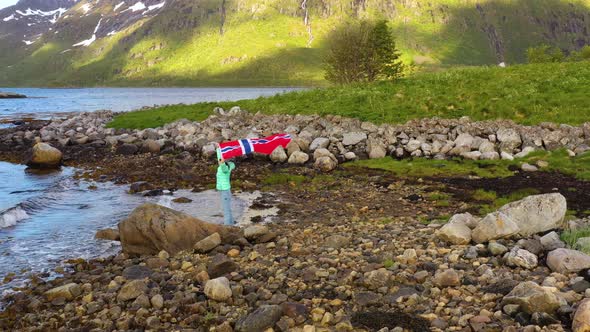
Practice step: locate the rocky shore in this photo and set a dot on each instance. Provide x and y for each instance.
(352, 250)
(11, 95)
(370, 264)
(322, 141)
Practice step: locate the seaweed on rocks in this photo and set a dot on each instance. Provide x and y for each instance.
(376, 320)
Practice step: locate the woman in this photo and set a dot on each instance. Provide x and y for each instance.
(224, 187)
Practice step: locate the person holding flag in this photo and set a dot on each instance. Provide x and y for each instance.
(232, 149)
(224, 187)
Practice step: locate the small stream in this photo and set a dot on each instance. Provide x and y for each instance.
(48, 218)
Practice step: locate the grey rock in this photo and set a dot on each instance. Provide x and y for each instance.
(521, 258)
(260, 319)
(298, 158)
(218, 289)
(134, 272)
(319, 143)
(353, 138)
(131, 290)
(209, 243)
(221, 265)
(551, 241)
(496, 248)
(278, 155)
(566, 261)
(336, 241)
(533, 298)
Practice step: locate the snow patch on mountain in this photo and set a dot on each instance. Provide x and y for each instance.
(38, 12)
(158, 6)
(28, 42)
(8, 18)
(91, 40)
(137, 7)
(86, 8)
(118, 5)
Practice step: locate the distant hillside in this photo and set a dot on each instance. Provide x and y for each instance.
(261, 42)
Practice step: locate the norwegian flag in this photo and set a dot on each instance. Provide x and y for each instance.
(264, 145)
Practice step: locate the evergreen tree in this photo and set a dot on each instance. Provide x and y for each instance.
(362, 52)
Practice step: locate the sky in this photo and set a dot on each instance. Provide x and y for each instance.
(6, 3)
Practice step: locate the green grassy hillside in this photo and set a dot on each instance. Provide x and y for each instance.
(252, 42)
(527, 94)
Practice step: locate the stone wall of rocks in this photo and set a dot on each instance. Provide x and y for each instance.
(325, 141)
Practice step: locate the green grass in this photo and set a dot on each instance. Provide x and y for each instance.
(570, 237)
(388, 263)
(422, 167)
(498, 202)
(484, 195)
(559, 161)
(159, 117)
(527, 94)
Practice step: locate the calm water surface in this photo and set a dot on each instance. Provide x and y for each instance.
(43, 103)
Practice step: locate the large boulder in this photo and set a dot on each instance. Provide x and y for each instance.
(151, 228)
(494, 226)
(581, 321)
(567, 261)
(45, 156)
(533, 298)
(528, 216)
(537, 213)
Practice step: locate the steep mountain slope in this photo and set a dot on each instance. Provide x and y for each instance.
(23, 23)
(273, 42)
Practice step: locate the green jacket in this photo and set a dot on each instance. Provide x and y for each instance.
(223, 175)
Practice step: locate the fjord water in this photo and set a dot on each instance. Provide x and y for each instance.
(51, 217)
(44, 103)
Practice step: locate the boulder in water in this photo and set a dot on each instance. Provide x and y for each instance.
(11, 95)
(45, 156)
(151, 228)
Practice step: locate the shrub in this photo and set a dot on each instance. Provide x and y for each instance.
(544, 54)
(582, 55)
